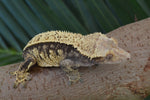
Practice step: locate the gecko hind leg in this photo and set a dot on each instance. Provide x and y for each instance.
(22, 74)
(68, 66)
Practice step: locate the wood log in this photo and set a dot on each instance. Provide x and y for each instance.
(129, 80)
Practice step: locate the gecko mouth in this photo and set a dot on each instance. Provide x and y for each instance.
(103, 59)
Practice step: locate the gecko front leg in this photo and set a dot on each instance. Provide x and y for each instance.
(71, 70)
(22, 74)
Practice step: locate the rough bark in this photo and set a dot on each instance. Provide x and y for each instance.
(126, 81)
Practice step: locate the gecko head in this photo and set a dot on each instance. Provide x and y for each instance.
(109, 52)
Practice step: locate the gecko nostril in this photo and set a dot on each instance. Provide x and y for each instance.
(128, 58)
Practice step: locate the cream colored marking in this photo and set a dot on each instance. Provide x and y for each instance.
(51, 52)
(60, 52)
(31, 63)
(52, 46)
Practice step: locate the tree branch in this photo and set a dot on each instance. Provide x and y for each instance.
(126, 81)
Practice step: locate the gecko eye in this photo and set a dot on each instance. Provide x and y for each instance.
(109, 56)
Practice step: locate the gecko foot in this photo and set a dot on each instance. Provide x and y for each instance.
(21, 78)
(74, 77)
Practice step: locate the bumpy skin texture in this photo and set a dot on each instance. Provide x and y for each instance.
(68, 51)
